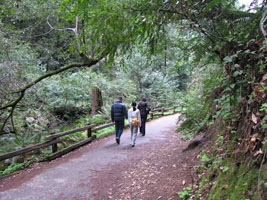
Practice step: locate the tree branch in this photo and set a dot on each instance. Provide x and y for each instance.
(89, 63)
(11, 114)
(75, 30)
(263, 20)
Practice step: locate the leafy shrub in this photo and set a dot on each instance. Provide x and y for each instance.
(187, 191)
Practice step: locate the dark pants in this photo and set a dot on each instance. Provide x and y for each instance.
(119, 125)
(143, 125)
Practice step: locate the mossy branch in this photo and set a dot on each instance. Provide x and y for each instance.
(9, 116)
(89, 62)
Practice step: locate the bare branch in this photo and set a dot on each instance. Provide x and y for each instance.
(263, 20)
(75, 30)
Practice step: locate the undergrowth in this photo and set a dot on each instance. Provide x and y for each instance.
(231, 113)
(198, 102)
(227, 174)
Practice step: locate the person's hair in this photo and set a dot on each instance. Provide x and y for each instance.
(120, 98)
(134, 105)
(144, 99)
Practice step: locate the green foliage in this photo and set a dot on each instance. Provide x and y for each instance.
(211, 4)
(25, 140)
(27, 137)
(105, 131)
(160, 83)
(204, 158)
(235, 183)
(12, 168)
(187, 191)
(229, 177)
(198, 105)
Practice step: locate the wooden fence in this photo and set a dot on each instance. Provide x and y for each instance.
(53, 139)
(160, 111)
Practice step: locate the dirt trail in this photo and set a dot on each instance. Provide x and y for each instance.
(154, 169)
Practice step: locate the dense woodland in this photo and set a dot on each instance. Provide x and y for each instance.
(209, 57)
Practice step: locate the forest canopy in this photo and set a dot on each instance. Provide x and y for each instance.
(154, 44)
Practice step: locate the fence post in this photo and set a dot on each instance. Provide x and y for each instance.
(162, 111)
(151, 114)
(174, 109)
(89, 132)
(54, 146)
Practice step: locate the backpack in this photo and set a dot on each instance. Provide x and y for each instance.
(144, 109)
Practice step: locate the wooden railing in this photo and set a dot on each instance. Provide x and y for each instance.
(53, 139)
(160, 111)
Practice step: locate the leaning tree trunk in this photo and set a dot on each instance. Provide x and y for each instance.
(97, 101)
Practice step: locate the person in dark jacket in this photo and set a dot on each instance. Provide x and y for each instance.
(144, 110)
(118, 114)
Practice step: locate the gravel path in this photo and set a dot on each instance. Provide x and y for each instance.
(154, 169)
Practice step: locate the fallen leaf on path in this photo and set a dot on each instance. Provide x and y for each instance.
(183, 182)
(258, 152)
(246, 149)
(254, 119)
(253, 139)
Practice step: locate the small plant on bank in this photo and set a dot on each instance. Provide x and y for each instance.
(187, 191)
(12, 168)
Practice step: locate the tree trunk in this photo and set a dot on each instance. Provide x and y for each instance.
(97, 101)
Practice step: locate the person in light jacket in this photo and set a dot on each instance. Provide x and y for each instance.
(134, 114)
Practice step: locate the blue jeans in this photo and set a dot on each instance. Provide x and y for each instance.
(119, 125)
(143, 125)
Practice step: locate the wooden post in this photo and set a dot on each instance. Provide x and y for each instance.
(162, 111)
(54, 146)
(89, 132)
(174, 109)
(151, 114)
(27, 149)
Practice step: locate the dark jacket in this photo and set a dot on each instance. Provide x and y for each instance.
(118, 112)
(144, 108)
